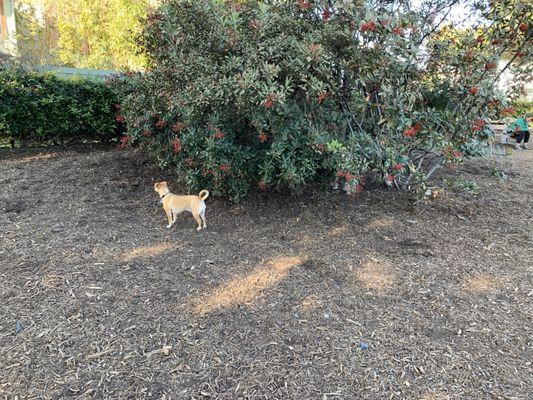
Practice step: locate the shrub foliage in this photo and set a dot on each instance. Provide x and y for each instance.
(44, 109)
(278, 94)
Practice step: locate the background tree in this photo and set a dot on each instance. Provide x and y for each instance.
(33, 44)
(83, 33)
(99, 33)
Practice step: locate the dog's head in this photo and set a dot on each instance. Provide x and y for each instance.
(161, 187)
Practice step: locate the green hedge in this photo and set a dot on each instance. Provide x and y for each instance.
(37, 108)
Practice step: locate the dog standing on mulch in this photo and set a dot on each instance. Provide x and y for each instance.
(174, 204)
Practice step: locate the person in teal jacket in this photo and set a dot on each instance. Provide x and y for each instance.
(520, 131)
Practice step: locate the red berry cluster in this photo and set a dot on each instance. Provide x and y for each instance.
(492, 104)
(262, 137)
(368, 27)
(346, 175)
(313, 48)
(397, 167)
(413, 130)
(178, 126)
(472, 90)
(477, 125)
(218, 134)
(176, 145)
(124, 141)
(321, 147)
(321, 96)
(269, 101)
(304, 5)
(397, 31)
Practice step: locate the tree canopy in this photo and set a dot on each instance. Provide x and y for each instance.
(83, 33)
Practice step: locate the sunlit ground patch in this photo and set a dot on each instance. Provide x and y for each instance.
(481, 283)
(375, 275)
(51, 281)
(380, 223)
(148, 251)
(309, 303)
(305, 240)
(34, 157)
(338, 230)
(242, 290)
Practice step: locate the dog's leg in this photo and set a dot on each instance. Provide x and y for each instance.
(169, 217)
(197, 218)
(174, 217)
(202, 215)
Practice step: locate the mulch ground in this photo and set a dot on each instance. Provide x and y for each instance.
(318, 296)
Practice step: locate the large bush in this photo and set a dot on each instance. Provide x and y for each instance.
(44, 109)
(278, 94)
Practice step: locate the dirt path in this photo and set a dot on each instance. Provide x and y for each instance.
(316, 297)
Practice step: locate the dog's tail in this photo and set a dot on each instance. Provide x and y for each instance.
(203, 194)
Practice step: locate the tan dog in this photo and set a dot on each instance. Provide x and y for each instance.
(174, 204)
